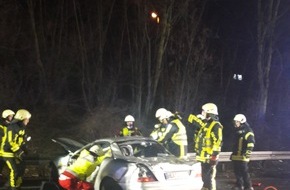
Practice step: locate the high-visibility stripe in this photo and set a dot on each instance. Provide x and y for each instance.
(12, 174)
(248, 134)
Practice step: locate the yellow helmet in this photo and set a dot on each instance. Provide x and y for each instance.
(210, 108)
(6, 113)
(22, 114)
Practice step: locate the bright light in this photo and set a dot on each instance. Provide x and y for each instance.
(238, 77)
(154, 15)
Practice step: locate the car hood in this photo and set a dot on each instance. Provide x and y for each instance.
(68, 144)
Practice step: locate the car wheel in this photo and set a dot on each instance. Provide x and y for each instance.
(110, 184)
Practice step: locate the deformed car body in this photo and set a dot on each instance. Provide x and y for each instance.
(134, 163)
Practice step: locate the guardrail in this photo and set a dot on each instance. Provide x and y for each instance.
(256, 155)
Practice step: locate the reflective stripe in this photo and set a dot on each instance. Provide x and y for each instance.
(7, 154)
(248, 134)
(12, 174)
(250, 145)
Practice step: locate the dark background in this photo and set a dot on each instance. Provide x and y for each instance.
(81, 66)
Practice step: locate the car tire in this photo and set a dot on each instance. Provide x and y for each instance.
(110, 184)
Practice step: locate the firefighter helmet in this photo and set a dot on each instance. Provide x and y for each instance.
(210, 108)
(241, 118)
(6, 113)
(162, 113)
(129, 118)
(96, 149)
(22, 114)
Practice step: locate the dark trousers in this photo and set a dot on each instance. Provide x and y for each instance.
(241, 171)
(16, 168)
(177, 150)
(208, 173)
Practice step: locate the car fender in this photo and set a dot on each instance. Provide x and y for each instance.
(112, 168)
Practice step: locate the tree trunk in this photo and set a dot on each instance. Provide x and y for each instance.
(267, 18)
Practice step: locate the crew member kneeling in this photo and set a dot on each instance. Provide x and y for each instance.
(74, 177)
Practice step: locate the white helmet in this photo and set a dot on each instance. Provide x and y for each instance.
(241, 118)
(96, 149)
(210, 108)
(162, 113)
(159, 112)
(6, 113)
(129, 118)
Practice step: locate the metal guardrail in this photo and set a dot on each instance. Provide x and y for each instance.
(41, 164)
(256, 155)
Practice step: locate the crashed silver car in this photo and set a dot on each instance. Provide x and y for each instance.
(135, 163)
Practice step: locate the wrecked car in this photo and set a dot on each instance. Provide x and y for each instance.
(134, 163)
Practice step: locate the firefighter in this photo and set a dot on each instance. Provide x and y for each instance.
(7, 117)
(13, 147)
(172, 132)
(75, 176)
(208, 143)
(130, 129)
(244, 141)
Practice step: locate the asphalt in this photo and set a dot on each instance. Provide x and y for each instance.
(263, 174)
(263, 177)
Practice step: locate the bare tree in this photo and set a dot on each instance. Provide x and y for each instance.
(267, 19)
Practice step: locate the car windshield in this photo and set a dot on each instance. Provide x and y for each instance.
(142, 149)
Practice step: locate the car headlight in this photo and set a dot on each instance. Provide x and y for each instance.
(145, 175)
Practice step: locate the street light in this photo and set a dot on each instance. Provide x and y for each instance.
(155, 16)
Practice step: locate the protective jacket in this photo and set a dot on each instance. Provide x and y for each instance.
(12, 149)
(244, 142)
(174, 135)
(13, 139)
(208, 140)
(134, 131)
(84, 165)
(3, 130)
